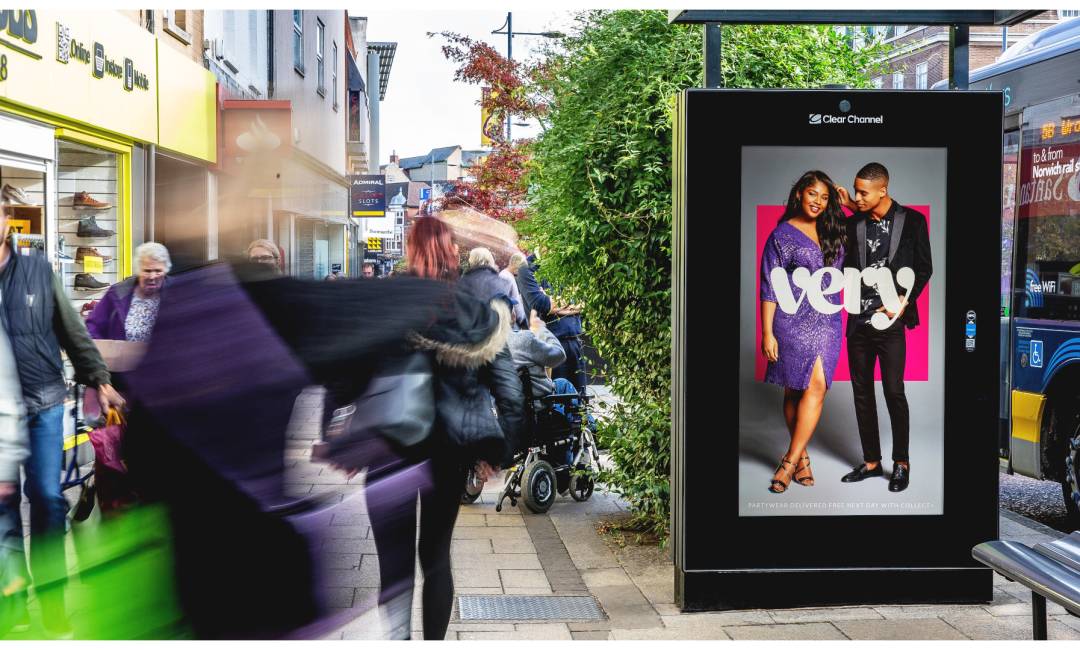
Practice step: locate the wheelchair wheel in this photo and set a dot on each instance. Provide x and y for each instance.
(472, 490)
(581, 486)
(538, 487)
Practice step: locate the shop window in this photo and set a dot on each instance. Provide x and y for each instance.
(176, 24)
(320, 58)
(298, 40)
(22, 190)
(88, 243)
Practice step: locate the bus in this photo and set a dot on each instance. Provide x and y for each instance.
(1039, 78)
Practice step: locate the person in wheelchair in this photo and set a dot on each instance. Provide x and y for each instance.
(538, 349)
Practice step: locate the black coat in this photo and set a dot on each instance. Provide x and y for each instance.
(909, 246)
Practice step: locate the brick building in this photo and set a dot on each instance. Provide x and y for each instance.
(920, 53)
(181, 29)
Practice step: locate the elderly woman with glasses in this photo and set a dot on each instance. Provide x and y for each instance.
(264, 251)
(129, 309)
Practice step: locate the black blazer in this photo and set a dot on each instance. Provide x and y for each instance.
(909, 246)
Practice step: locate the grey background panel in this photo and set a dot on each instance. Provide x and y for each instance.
(917, 177)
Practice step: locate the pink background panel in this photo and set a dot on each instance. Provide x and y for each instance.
(917, 367)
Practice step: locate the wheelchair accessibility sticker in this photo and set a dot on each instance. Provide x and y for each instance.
(1036, 356)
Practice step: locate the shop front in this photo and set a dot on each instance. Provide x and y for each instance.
(79, 95)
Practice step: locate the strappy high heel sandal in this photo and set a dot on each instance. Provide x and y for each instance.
(777, 486)
(803, 475)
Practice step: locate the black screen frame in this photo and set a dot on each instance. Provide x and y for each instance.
(723, 560)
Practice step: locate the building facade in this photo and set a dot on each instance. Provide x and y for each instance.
(90, 105)
(920, 53)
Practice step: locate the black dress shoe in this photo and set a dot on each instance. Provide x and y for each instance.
(860, 473)
(899, 480)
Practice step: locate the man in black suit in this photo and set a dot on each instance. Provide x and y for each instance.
(882, 234)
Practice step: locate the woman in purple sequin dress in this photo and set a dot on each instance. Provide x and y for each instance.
(802, 347)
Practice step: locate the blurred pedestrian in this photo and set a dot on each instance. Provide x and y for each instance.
(517, 260)
(40, 323)
(468, 378)
(368, 270)
(264, 251)
(564, 321)
(14, 448)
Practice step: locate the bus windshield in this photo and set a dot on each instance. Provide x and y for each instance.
(1046, 281)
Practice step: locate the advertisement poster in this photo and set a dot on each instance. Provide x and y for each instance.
(852, 372)
(367, 195)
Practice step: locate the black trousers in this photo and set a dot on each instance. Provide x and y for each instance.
(393, 525)
(573, 369)
(866, 346)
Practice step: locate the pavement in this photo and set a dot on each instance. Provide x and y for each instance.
(561, 553)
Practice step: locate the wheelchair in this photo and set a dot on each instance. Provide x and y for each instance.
(558, 455)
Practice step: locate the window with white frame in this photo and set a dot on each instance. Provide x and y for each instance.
(921, 71)
(898, 80)
(176, 24)
(1065, 14)
(334, 69)
(878, 82)
(298, 40)
(320, 58)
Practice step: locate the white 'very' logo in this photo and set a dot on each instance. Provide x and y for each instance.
(850, 282)
(815, 118)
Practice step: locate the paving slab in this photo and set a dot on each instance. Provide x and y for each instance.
(524, 579)
(505, 519)
(496, 561)
(602, 635)
(718, 619)
(477, 577)
(349, 545)
(531, 632)
(794, 631)
(471, 546)
(1013, 628)
(899, 630)
(507, 533)
(927, 611)
(669, 634)
(824, 615)
(625, 607)
(512, 546)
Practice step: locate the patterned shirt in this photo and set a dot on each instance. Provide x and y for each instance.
(878, 238)
(141, 318)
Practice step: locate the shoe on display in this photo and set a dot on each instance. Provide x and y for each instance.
(83, 251)
(87, 282)
(61, 251)
(900, 478)
(14, 196)
(84, 200)
(88, 227)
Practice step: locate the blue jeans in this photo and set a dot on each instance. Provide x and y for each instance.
(48, 509)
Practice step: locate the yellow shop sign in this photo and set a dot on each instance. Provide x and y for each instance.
(95, 67)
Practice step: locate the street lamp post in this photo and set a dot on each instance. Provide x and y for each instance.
(510, 34)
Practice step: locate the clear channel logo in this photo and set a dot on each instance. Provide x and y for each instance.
(825, 118)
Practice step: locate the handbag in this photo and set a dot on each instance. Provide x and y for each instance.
(397, 406)
(108, 440)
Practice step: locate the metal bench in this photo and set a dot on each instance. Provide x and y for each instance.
(1051, 570)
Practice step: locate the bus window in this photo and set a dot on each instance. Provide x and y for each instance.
(1010, 157)
(1047, 247)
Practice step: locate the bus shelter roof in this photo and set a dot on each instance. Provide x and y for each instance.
(853, 17)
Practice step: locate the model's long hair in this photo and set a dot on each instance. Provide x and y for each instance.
(830, 224)
(429, 249)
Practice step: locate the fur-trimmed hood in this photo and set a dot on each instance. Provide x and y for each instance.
(480, 338)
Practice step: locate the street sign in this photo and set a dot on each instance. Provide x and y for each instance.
(374, 243)
(425, 193)
(367, 195)
(772, 161)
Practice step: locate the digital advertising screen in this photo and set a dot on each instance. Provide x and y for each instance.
(835, 341)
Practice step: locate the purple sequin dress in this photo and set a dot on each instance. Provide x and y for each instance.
(807, 334)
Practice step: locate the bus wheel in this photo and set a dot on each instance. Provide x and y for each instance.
(1070, 482)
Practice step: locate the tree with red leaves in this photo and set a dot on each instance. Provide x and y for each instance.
(499, 189)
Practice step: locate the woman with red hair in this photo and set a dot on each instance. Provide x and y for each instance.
(467, 376)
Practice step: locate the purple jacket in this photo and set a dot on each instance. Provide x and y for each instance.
(108, 318)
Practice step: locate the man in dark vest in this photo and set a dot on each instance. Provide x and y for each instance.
(882, 234)
(40, 321)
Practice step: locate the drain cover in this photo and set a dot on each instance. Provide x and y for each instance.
(528, 608)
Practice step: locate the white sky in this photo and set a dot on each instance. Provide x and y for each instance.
(424, 107)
